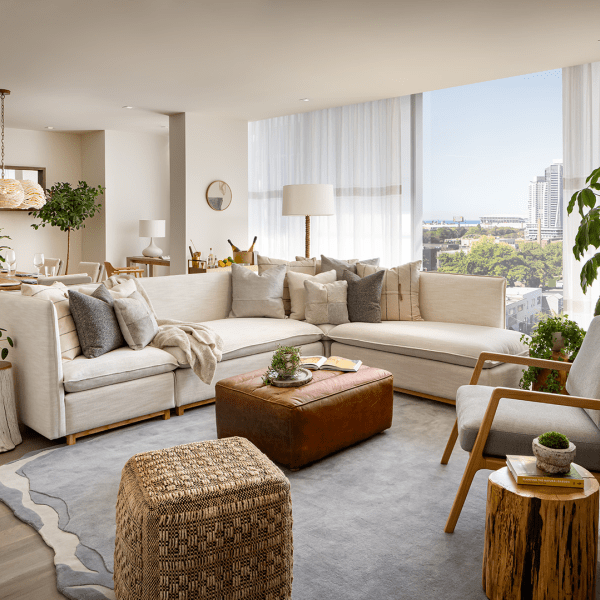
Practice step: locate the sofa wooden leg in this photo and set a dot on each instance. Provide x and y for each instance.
(474, 464)
(167, 415)
(179, 411)
(450, 443)
(71, 439)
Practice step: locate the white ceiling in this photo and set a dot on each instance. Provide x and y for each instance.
(73, 64)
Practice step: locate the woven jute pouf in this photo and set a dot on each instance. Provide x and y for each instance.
(206, 520)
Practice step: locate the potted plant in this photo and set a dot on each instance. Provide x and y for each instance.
(67, 208)
(554, 453)
(4, 351)
(3, 237)
(284, 364)
(555, 337)
(588, 234)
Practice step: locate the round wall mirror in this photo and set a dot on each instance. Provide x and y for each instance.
(218, 195)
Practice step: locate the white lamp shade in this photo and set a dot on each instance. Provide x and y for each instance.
(152, 228)
(312, 199)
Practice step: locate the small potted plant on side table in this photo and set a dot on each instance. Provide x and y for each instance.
(554, 453)
(9, 426)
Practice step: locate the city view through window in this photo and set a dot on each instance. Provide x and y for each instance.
(493, 189)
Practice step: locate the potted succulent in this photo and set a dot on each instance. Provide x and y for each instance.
(555, 337)
(588, 234)
(554, 453)
(284, 364)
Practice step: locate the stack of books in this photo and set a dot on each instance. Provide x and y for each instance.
(525, 472)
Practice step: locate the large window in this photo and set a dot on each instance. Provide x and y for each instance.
(493, 201)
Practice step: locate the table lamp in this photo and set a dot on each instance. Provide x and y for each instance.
(308, 199)
(152, 228)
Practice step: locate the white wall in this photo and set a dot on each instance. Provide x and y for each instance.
(205, 149)
(60, 153)
(137, 187)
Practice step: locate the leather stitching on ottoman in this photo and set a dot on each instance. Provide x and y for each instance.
(297, 426)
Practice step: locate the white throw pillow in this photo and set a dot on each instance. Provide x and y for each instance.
(298, 291)
(326, 302)
(256, 295)
(67, 332)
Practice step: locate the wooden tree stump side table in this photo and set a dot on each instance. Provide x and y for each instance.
(10, 435)
(541, 542)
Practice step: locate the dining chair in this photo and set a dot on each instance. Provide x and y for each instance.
(493, 422)
(110, 270)
(91, 268)
(53, 262)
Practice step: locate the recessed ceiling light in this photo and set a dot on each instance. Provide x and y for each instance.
(304, 99)
(49, 127)
(128, 107)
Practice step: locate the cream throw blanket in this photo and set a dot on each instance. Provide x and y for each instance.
(203, 347)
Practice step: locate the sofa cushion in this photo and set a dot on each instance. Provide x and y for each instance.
(123, 364)
(244, 337)
(339, 266)
(453, 343)
(326, 302)
(136, 320)
(297, 291)
(256, 295)
(517, 422)
(364, 297)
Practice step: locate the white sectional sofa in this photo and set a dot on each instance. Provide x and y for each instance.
(464, 316)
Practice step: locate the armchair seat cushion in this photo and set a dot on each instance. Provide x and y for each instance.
(454, 343)
(122, 364)
(518, 422)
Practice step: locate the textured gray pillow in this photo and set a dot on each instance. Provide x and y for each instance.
(326, 302)
(96, 323)
(256, 295)
(339, 266)
(364, 297)
(137, 322)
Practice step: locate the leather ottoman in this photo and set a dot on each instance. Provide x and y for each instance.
(296, 426)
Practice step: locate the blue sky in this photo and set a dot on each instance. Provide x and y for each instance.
(483, 144)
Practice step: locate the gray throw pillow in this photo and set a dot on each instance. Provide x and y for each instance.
(96, 323)
(339, 266)
(137, 322)
(256, 295)
(364, 297)
(326, 302)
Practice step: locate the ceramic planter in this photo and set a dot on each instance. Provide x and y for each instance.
(553, 460)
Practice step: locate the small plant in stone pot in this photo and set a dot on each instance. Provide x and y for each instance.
(553, 451)
(4, 351)
(284, 364)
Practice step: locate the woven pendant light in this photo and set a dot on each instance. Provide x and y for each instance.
(11, 190)
(34, 194)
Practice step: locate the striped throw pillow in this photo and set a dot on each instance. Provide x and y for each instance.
(57, 294)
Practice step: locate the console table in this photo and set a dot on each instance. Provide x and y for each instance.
(151, 262)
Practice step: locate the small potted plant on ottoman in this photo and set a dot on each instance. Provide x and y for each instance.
(284, 368)
(553, 452)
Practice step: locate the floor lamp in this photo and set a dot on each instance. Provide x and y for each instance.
(308, 199)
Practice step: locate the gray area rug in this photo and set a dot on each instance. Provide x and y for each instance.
(368, 521)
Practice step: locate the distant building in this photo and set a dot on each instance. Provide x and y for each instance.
(523, 308)
(552, 302)
(545, 203)
(514, 221)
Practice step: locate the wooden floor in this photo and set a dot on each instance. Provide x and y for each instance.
(26, 563)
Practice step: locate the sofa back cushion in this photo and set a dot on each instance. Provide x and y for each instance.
(469, 299)
(257, 295)
(193, 298)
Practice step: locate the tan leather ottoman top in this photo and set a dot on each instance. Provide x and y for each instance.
(296, 426)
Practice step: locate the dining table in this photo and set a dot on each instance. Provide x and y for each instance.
(12, 283)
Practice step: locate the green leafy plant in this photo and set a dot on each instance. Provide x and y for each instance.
(4, 351)
(67, 208)
(3, 237)
(284, 364)
(588, 233)
(540, 344)
(553, 439)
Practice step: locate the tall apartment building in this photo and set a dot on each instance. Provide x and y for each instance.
(545, 202)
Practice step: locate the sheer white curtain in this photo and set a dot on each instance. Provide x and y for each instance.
(581, 148)
(368, 153)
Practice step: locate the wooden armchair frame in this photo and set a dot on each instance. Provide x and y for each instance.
(477, 459)
(135, 271)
